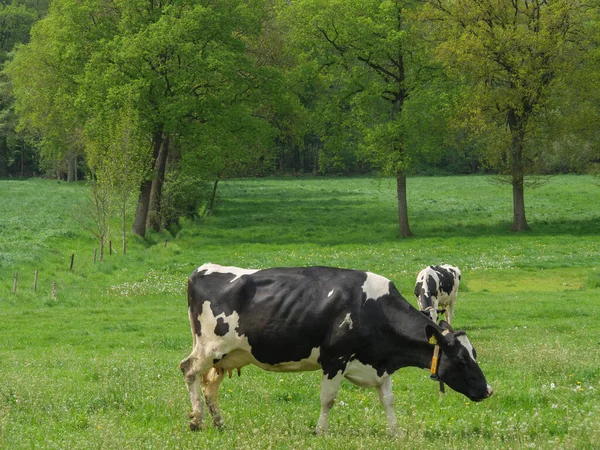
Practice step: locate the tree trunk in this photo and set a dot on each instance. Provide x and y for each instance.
(213, 196)
(3, 157)
(71, 167)
(124, 225)
(141, 213)
(402, 205)
(157, 184)
(519, 220)
(517, 171)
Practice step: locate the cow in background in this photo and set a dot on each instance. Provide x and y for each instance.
(437, 287)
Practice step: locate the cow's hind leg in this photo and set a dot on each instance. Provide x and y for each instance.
(193, 368)
(211, 381)
(329, 390)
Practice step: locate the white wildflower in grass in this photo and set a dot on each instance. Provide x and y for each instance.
(154, 282)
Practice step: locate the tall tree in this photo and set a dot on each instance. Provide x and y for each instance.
(16, 18)
(183, 67)
(117, 156)
(511, 53)
(45, 73)
(369, 50)
(187, 67)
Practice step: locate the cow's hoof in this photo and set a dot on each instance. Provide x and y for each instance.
(195, 425)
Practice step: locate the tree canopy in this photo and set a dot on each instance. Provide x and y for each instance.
(142, 95)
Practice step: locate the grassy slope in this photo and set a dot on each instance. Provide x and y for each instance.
(98, 367)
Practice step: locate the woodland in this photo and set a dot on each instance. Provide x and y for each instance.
(154, 102)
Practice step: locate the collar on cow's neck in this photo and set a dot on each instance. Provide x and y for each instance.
(436, 355)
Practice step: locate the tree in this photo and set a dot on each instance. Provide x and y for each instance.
(117, 155)
(44, 75)
(186, 66)
(375, 64)
(511, 53)
(16, 19)
(95, 213)
(182, 69)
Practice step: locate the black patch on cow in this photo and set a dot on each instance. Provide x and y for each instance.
(419, 288)
(222, 327)
(446, 279)
(431, 286)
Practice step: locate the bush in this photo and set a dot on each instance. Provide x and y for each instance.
(182, 196)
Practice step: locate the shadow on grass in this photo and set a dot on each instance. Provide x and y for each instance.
(359, 211)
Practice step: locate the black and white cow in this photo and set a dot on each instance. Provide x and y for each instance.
(347, 323)
(437, 287)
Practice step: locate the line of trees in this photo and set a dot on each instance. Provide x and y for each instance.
(157, 98)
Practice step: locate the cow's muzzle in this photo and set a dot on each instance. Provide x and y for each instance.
(488, 393)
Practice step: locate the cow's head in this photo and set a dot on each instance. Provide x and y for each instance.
(458, 366)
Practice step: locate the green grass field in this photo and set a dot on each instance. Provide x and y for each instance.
(98, 366)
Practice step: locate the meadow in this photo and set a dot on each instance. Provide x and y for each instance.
(97, 367)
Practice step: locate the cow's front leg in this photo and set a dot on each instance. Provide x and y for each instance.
(329, 390)
(211, 382)
(387, 400)
(449, 313)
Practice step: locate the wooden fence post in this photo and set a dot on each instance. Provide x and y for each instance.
(110, 248)
(166, 240)
(15, 282)
(35, 277)
(95, 251)
(72, 259)
(54, 291)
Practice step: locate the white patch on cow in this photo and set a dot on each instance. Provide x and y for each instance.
(464, 340)
(363, 375)
(376, 286)
(347, 321)
(330, 293)
(212, 345)
(215, 268)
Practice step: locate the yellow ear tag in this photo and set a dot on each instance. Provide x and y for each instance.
(433, 340)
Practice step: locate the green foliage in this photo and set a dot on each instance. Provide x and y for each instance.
(17, 155)
(183, 196)
(527, 59)
(16, 19)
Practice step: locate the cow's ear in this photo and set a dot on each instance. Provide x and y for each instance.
(446, 326)
(443, 338)
(431, 331)
(434, 335)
